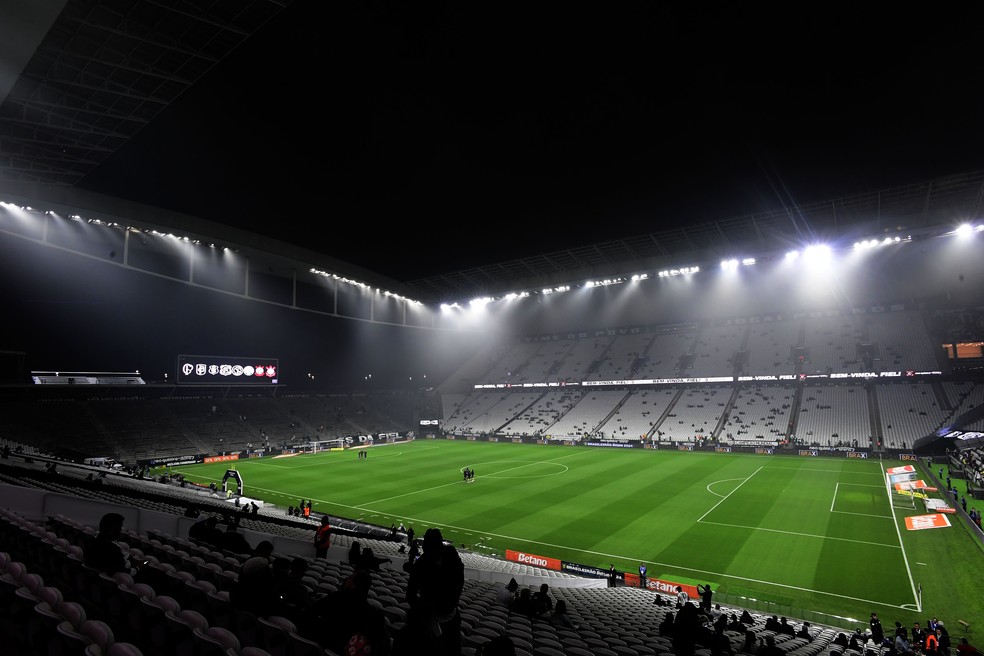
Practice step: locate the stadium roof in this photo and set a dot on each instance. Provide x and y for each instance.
(81, 79)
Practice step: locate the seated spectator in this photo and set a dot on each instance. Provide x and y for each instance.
(524, 603)
(542, 603)
(345, 622)
(746, 617)
(101, 552)
(751, 643)
(204, 532)
(354, 554)
(966, 649)
(233, 541)
(506, 595)
(804, 631)
(902, 647)
(720, 643)
(734, 624)
(559, 617)
(294, 593)
(255, 589)
(666, 626)
(371, 562)
(786, 628)
(772, 624)
(770, 648)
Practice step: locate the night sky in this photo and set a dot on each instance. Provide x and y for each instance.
(417, 140)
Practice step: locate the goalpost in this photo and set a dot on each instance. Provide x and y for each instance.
(901, 485)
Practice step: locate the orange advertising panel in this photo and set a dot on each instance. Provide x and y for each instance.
(922, 522)
(531, 559)
(234, 456)
(669, 587)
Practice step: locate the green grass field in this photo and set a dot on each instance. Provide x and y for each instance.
(818, 534)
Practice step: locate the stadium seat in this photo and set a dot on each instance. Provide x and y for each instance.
(155, 625)
(100, 633)
(123, 649)
(67, 641)
(301, 646)
(42, 626)
(215, 641)
(274, 634)
(181, 631)
(246, 626)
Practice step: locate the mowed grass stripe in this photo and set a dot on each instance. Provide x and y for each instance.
(597, 506)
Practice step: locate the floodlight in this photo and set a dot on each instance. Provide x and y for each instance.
(748, 261)
(792, 255)
(963, 230)
(729, 265)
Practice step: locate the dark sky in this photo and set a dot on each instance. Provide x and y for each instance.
(414, 140)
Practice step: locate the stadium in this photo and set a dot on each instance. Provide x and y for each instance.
(782, 415)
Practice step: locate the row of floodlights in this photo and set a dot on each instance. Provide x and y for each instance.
(197, 242)
(814, 254)
(361, 285)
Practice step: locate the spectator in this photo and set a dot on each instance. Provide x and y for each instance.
(902, 647)
(667, 625)
(524, 603)
(355, 554)
(371, 562)
(542, 603)
(322, 538)
(205, 532)
(101, 552)
(705, 593)
(804, 631)
(345, 622)
(681, 597)
(507, 593)
(293, 591)
(877, 632)
(720, 643)
(255, 589)
(233, 541)
(943, 635)
(751, 644)
(435, 585)
(966, 649)
(685, 630)
(560, 618)
(412, 555)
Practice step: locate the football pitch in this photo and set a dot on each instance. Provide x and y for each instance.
(809, 537)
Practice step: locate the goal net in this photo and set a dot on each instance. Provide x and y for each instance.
(901, 482)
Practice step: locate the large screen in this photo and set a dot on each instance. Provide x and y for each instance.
(221, 370)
